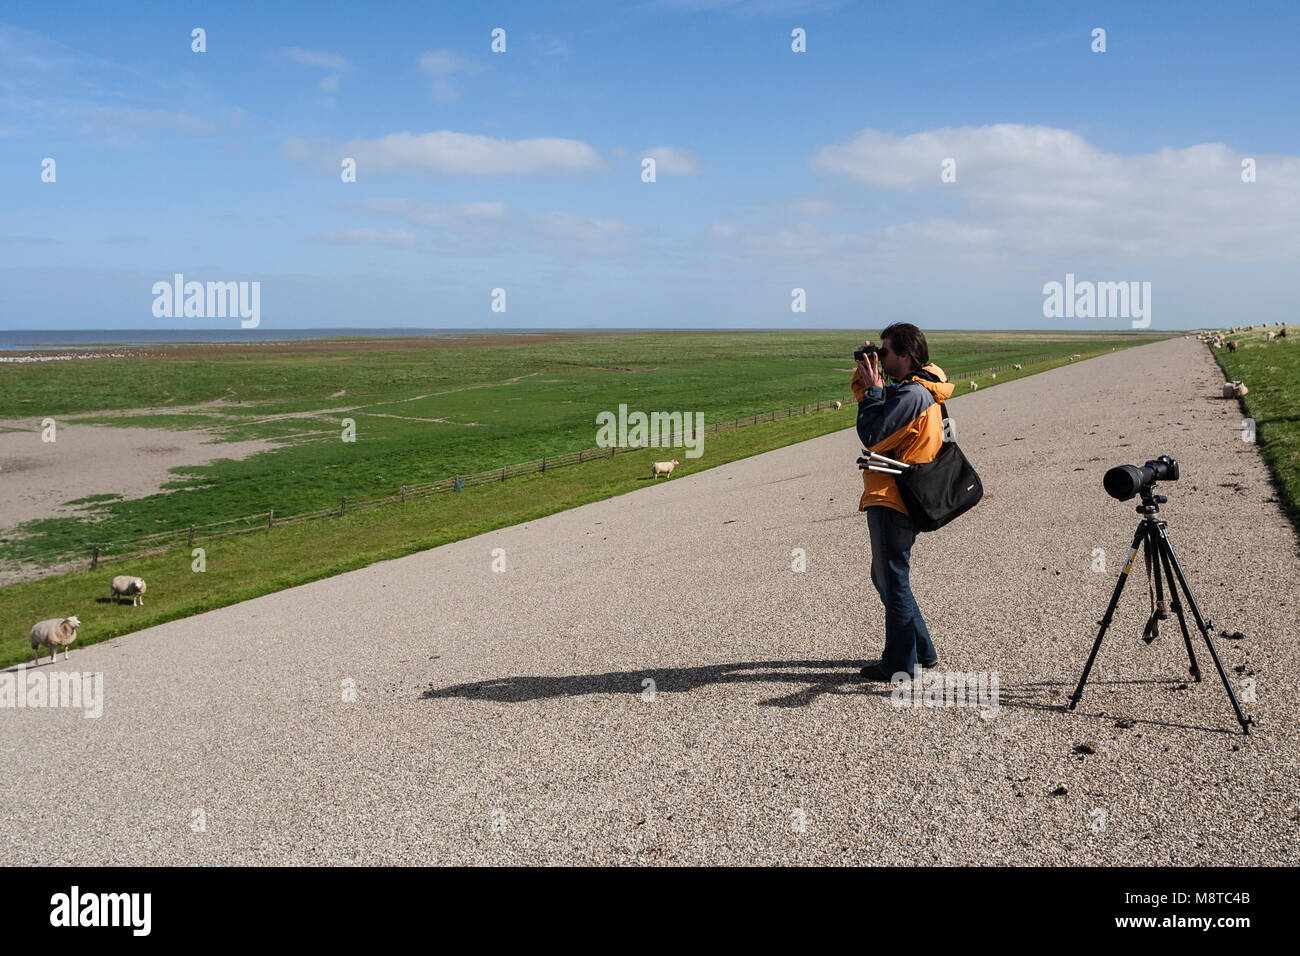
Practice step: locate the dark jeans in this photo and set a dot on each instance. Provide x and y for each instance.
(907, 641)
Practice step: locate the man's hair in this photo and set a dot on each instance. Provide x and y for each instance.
(906, 339)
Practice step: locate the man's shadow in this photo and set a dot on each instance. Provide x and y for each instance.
(815, 679)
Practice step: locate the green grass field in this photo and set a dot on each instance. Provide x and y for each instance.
(497, 405)
(1271, 371)
(551, 409)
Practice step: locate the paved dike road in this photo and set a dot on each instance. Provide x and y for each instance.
(506, 718)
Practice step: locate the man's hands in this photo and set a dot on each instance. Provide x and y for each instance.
(870, 369)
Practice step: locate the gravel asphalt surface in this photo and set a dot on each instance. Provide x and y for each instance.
(508, 717)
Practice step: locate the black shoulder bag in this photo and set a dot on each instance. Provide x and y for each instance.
(937, 491)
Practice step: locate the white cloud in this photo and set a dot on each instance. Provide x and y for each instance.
(802, 207)
(446, 153)
(442, 66)
(142, 120)
(1046, 190)
(394, 239)
(491, 228)
(329, 83)
(673, 161)
(318, 58)
(436, 215)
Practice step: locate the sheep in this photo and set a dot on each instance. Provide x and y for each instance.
(1282, 333)
(1232, 346)
(974, 385)
(993, 374)
(1018, 366)
(664, 468)
(1271, 336)
(1234, 389)
(54, 633)
(126, 586)
(1240, 391)
(837, 404)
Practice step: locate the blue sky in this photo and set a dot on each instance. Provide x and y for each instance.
(522, 170)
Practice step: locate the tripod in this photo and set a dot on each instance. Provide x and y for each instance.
(1153, 537)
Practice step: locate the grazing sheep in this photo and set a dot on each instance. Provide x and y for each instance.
(664, 468)
(1282, 334)
(1270, 337)
(54, 633)
(974, 385)
(126, 586)
(837, 404)
(1232, 346)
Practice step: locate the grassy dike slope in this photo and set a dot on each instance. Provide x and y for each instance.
(1271, 370)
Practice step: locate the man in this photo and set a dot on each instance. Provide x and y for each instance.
(903, 422)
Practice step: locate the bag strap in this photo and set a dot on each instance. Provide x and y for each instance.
(929, 377)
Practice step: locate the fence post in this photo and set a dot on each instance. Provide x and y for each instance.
(94, 559)
(191, 544)
(270, 519)
(343, 506)
(543, 463)
(403, 492)
(580, 456)
(503, 472)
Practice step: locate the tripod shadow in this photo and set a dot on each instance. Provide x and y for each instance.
(1054, 695)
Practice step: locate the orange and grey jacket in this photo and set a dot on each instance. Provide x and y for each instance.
(903, 422)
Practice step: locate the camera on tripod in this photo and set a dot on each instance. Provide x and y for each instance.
(1152, 539)
(1125, 481)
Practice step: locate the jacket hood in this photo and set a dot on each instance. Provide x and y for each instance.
(941, 390)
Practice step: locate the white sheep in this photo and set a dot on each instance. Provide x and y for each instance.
(54, 633)
(993, 374)
(974, 385)
(1271, 337)
(664, 468)
(1018, 366)
(837, 404)
(126, 586)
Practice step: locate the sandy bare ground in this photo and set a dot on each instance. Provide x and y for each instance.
(38, 478)
(649, 681)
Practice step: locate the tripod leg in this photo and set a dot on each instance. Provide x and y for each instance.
(1205, 630)
(1151, 559)
(1110, 611)
(1178, 609)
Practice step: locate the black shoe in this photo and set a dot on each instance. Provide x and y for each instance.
(874, 672)
(933, 663)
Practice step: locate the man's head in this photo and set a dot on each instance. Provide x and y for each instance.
(903, 350)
